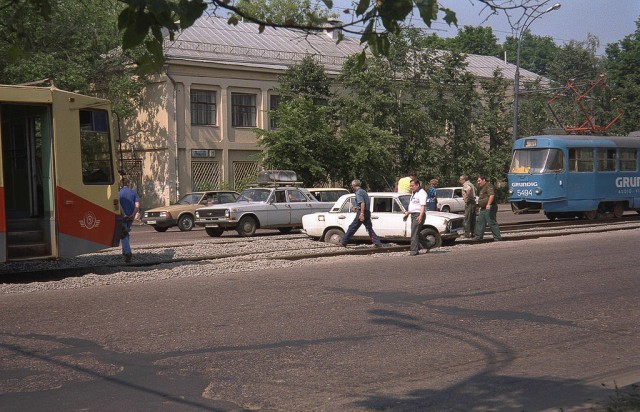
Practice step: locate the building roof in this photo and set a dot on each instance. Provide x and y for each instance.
(212, 39)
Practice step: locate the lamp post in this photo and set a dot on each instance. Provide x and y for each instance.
(530, 18)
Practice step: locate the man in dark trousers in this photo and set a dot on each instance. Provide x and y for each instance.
(417, 205)
(363, 216)
(488, 210)
(129, 205)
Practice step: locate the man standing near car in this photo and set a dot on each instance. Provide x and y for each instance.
(417, 206)
(488, 210)
(469, 196)
(363, 216)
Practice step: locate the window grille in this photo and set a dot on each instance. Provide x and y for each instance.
(244, 171)
(205, 175)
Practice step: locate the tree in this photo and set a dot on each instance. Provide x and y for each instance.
(576, 61)
(76, 47)
(623, 59)
(285, 11)
(304, 139)
(476, 40)
(536, 52)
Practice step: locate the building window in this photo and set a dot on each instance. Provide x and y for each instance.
(606, 160)
(203, 107)
(243, 110)
(628, 160)
(581, 159)
(274, 103)
(95, 146)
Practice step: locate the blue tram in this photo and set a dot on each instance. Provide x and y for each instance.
(582, 176)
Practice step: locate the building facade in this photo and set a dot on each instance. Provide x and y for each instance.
(219, 82)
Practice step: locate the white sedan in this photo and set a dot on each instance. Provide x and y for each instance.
(450, 199)
(387, 212)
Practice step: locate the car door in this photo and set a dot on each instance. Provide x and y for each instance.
(387, 220)
(279, 211)
(299, 206)
(346, 214)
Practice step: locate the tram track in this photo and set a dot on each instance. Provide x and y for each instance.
(289, 249)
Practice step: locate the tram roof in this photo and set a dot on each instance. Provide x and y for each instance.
(579, 141)
(41, 94)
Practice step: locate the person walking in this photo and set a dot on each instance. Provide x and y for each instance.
(404, 184)
(129, 206)
(432, 195)
(488, 210)
(469, 196)
(417, 206)
(363, 216)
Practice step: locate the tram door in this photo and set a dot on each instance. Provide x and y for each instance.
(28, 182)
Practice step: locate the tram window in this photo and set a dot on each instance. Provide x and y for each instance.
(606, 160)
(581, 159)
(95, 144)
(537, 161)
(628, 160)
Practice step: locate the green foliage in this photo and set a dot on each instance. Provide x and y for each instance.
(368, 155)
(76, 45)
(623, 77)
(476, 40)
(304, 141)
(536, 52)
(301, 12)
(306, 79)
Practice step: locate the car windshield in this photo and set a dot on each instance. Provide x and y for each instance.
(254, 195)
(190, 199)
(444, 193)
(537, 161)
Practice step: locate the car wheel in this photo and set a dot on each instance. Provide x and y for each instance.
(432, 236)
(334, 236)
(247, 226)
(446, 209)
(185, 223)
(214, 231)
(160, 228)
(285, 230)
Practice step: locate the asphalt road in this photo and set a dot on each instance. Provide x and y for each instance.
(509, 326)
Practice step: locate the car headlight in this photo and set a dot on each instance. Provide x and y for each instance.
(227, 213)
(164, 214)
(197, 214)
(146, 214)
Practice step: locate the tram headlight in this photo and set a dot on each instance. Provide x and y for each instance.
(538, 190)
(510, 191)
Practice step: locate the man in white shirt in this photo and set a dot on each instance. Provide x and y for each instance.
(417, 206)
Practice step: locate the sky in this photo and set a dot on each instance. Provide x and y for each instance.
(609, 20)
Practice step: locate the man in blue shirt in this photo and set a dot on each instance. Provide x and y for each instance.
(363, 216)
(129, 206)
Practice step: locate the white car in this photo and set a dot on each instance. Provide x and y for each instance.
(387, 212)
(450, 199)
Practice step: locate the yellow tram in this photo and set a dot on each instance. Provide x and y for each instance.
(58, 175)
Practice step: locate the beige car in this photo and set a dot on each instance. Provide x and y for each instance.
(182, 213)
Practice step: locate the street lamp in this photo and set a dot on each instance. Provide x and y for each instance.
(530, 18)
